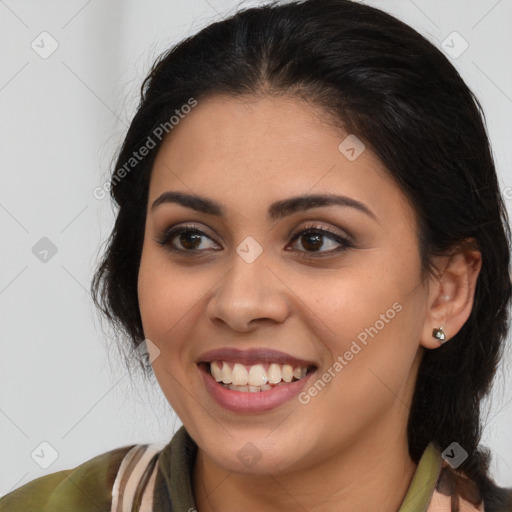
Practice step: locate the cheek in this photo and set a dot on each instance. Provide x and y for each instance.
(374, 327)
(166, 304)
(371, 313)
(166, 297)
(350, 301)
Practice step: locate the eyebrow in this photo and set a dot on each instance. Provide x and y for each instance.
(277, 210)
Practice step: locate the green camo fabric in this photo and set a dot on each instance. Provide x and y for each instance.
(86, 488)
(423, 481)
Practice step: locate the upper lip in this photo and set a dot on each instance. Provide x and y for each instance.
(252, 356)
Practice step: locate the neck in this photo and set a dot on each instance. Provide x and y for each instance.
(368, 475)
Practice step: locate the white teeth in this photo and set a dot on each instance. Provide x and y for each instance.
(239, 375)
(257, 375)
(287, 372)
(226, 373)
(274, 373)
(216, 371)
(254, 378)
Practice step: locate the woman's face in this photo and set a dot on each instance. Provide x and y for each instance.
(239, 288)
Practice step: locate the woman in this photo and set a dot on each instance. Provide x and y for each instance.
(312, 243)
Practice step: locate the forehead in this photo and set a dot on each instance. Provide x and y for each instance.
(247, 153)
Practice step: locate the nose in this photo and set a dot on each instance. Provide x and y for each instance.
(249, 294)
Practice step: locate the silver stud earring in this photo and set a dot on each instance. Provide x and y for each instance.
(439, 334)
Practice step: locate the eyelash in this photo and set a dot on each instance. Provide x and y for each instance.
(168, 235)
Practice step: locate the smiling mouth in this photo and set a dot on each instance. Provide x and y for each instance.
(255, 378)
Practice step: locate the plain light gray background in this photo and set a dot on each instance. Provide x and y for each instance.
(61, 120)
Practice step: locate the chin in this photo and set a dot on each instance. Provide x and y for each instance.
(255, 451)
(251, 459)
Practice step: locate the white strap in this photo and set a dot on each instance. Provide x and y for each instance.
(147, 498)
(130, 472)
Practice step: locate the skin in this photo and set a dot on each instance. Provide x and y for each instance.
(347, 448)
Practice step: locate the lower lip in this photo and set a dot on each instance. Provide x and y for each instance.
(246, 401)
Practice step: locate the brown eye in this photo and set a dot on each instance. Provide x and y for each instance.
(312, 239)
(190, 239)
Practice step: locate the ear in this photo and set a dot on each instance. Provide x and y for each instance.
(451, 292)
